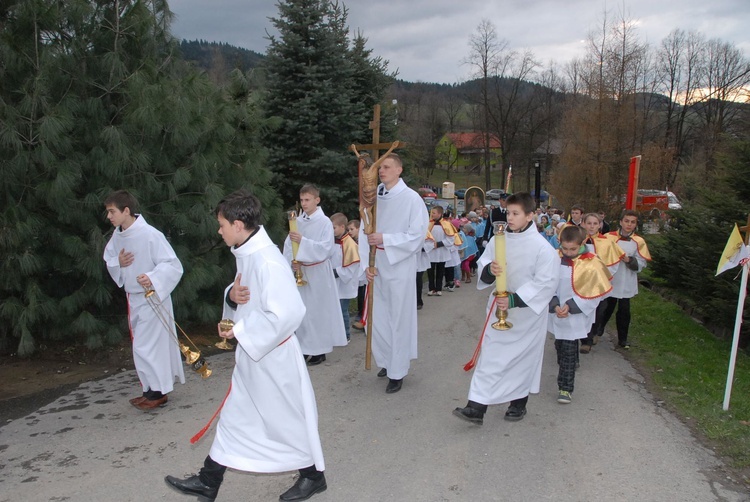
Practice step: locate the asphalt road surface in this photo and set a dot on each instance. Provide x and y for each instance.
(614, 442)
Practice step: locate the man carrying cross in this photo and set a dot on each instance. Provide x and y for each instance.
(401, 225)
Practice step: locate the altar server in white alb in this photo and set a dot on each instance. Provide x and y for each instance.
(323, 326)
(269, 421)
(584, 282)
(625, 281)
(401, 225)
(510, 363)
(346, 267)
(139, 258)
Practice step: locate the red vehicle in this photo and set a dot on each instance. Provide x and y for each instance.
(648, 200)
(426, 192)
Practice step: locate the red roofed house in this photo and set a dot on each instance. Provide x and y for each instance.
(466, 150)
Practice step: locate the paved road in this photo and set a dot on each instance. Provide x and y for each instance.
(612, 443)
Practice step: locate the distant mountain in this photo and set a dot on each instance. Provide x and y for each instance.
(219, 58)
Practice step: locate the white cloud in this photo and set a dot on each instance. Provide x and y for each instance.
(428, 39)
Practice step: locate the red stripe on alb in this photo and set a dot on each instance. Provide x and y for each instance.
(205, 428)
(201, 432)
(468, 366)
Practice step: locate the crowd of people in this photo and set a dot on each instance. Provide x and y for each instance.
(564, 276)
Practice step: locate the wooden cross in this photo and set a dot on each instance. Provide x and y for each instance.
(375, 147)
(746, 229)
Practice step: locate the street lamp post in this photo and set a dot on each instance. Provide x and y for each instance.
(538, 183)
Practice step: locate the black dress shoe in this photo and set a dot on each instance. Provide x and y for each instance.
(514, 413)
(193, 486)
(382, 373)
(470, 414)
(304, 488)
(315, 360)
(393, 385)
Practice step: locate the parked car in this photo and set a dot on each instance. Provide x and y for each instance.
(444, 203)
(460, 193)
(494, 194)
(426, 192)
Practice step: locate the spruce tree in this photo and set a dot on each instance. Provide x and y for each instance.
(317, 102)
(93, 99)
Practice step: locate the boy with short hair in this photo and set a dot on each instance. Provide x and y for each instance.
(269, 421)
(576, 215)
(584, 281)
(625, 281)
(353, 228)
(139, 258)
(611, 255)
(510, 363)
(346, 267)
(439, 245)
(322, 328)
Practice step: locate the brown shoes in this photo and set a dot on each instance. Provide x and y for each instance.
(149, 404)
(358, 325)
(585, 349)
(137, 400)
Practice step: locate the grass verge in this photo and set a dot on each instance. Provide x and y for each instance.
(688, 368)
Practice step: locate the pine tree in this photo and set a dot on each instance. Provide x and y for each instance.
(688, 254)
(317, 102)
(93, 99)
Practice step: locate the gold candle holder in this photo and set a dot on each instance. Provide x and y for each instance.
(502, 323)
(501, 286)
(224, 326)
(292, 215)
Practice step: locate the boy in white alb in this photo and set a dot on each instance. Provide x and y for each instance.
(625, 281)
(269, 421)
(611, 255)
(323, 326)
(584, 281)
(139, 258)
(438, 245)
(346, 267)
(509, 367)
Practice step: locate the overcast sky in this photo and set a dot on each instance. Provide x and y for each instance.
(427, 40)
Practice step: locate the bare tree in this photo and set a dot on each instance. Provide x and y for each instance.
(727, 73)
(484, 51)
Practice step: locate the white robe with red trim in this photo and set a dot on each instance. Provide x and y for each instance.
(323, 326)
(575, 326)
(402, 219)
(156, 353)
(347, 280)
(625, 281)
(269, 422)
(510, 363)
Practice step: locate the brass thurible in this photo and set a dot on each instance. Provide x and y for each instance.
(224, 326)
(502, 323)
(193, 358)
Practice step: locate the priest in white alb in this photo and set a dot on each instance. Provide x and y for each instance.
(323, 326)
(401, 225)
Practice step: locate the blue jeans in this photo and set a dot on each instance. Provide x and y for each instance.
(345, 313)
